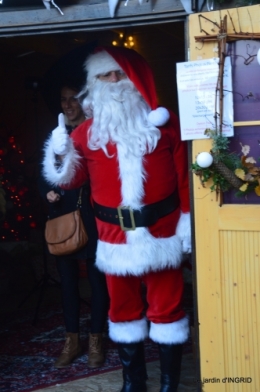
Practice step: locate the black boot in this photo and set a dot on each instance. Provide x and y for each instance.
(170, 362)
(134, 370)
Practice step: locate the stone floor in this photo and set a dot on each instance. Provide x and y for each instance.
(112, 381)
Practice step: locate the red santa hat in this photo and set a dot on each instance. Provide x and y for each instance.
(106, 59)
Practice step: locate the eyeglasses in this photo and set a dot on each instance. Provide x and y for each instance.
(112, 76)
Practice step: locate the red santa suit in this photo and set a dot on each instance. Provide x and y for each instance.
(150, 254)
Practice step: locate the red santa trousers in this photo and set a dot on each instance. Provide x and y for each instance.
(128, 310)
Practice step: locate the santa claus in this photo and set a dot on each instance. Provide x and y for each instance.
(130, 151)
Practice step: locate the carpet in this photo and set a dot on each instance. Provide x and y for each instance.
(27, 352)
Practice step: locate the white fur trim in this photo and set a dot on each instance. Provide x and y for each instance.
(170, 333)
(183, 231)
(183, 227)
(159, 116)
(142, 253)
(132, 177)
(100, 63)
(66, 172)
(129, 331)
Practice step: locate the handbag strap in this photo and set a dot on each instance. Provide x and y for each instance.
(79, 202)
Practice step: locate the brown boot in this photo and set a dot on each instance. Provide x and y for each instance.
(72, 349)
(96, 355)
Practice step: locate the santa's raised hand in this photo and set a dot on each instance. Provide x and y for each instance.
(60, 137)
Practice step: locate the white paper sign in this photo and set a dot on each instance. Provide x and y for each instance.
(197, 82)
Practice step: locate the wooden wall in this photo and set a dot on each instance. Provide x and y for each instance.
(227, 253)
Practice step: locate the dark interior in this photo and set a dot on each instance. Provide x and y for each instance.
(26, 118)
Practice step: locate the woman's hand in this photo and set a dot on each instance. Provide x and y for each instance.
(53, 197)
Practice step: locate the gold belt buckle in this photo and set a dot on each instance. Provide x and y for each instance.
(121, 218)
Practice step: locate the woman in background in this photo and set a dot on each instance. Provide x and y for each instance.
(61, 202)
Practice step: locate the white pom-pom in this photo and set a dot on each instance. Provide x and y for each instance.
(258, 56)
(204, 159)
(159, 116)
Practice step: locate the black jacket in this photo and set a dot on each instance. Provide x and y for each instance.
(68, 203)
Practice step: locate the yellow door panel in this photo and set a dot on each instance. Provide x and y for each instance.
(227, 249)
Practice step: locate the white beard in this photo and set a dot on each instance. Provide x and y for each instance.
(120, 116)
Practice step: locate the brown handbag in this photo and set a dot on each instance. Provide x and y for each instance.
(66, 234)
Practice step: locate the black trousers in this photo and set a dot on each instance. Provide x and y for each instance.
(69, 274)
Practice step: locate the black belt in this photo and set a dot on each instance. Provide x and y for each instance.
(129, 219)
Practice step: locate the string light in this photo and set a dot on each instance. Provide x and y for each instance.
(124, 40)
(17, 223)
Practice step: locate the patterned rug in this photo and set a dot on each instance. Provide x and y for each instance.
(27, 352)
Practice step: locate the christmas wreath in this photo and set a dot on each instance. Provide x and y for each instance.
(226, 169)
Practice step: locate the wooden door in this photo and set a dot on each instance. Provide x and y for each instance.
(227, 250)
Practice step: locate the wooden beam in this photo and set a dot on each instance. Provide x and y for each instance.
(88, 17)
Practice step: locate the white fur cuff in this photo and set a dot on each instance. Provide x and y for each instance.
(170, 333)
(66, 173)
(183, 231)
(153, 254)
(129, 331)
(100, 63)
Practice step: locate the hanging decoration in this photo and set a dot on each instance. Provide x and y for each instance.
(112, 5)
(48, 3)
(224, 169)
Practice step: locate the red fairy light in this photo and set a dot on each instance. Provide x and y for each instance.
(19, 218)
(33, 225)
(11, 139)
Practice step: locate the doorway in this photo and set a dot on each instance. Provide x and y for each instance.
(25, 115)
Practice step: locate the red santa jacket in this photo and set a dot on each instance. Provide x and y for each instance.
(125, 179)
